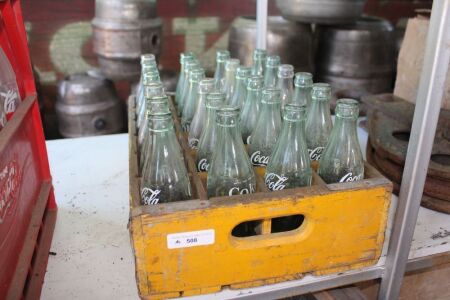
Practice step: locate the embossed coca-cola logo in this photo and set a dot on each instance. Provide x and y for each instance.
(203, 165)
(259, 160)
(186, 127)
(314, 154)
(149, 196)
(242, 190)
(10, 178)
(275, 182)
(349, 177)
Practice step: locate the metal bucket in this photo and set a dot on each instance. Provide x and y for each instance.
(88, 105)
(123, 30)
(292, 41)
(321, 11)
(357, 59)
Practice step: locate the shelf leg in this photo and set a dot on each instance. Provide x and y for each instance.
(429, 97)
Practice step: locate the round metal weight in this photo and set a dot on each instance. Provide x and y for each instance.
(293, 42)
(427, 201)
(88, 105)
(321, 11)
(123, 30)
(357, 57)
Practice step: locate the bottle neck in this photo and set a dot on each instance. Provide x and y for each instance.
(253, 96)
(160, 125)
(258, 68)
(270, 78)
(346, 127)
(302, 95)
(220, 71)
(271, 111)
(285, 83)
(320, 109)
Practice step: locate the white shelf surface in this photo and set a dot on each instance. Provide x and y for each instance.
(93, 254)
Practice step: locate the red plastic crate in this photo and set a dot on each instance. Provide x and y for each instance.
(27, 203)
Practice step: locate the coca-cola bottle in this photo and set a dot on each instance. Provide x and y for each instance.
(158, 105)
(303, 87)
(147, 79)
(190, 106)
(148, 63)
(165, 178)
(154, 103)
(184, 57)
(231, 66)
(271, 75)
(205, 87)
(219, 75)
(289, 165)
(318, 122)
(9, 92)
(189, 65)
(231, 172)
(267, 129)
(208, 139)
(259, 62)
(250, 111)
(342, 160)
(285, 83)
(240, 91)
(150, 89)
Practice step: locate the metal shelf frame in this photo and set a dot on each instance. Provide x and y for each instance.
(429, 97)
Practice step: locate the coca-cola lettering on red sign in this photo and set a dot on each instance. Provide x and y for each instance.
(259, 160)
(10, 179)
(149, 196)
(316, 153)
(276, 182)
(349, 177)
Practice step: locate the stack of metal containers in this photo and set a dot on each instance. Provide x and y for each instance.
(354, 53)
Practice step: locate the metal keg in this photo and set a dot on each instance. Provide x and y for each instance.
(356, 59)
(321, 11)
(292, 41)
(87, 105)
(123, 30)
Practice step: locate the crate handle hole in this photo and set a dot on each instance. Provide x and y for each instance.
(268, 226)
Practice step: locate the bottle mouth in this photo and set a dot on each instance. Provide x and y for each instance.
(273, 61)
(271, 96)
(321, 91)
(303, 79)
(294, 112)
(347, 108)
(185, 57)
(227, 116)
(158, 107)
(243, 72)
(197, 74)
(160, 122)
(206, 85)
(147, 58)
(232, 64)
(286, 71)
(255, 82)
(222, 55)
(215, 100)
(259, 54)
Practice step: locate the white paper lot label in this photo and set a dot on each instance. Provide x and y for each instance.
(190, 239)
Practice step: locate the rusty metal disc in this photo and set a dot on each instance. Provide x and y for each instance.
(389, 124)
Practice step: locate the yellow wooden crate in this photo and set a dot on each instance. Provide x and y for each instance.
(343, 227)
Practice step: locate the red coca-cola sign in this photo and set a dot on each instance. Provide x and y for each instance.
(10, 177)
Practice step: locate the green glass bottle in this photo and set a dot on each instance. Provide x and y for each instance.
(342, 160)
(231, 66)
(251, 108)
(289, 165)
(188, 66)
(184, 57)
(190, 106)
(165, 178)
(303, 87)
(240, 91)
(219, 75)
(208, 139)
(267, 129)
(231, 172)
(285, 83)
(205, 87)
(318, 122)
(259, 62)
(271, 75)
(155, 105)
(152, 87)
